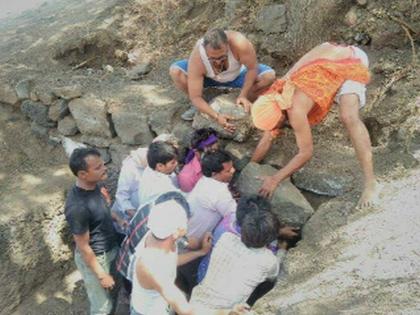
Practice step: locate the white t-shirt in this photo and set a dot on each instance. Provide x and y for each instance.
(209, 201)
(234, 272)
(162, 265)
(154, 184)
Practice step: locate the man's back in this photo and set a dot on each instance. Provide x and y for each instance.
(234, 272)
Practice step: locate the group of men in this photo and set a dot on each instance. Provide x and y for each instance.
(230, 255)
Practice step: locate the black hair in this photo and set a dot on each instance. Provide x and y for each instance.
(212, 162)
(215, 38)
(160, 152)
(259, 229)
(77, 161)
(200, 135)
(251, 203)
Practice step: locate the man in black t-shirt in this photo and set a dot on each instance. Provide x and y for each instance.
(89, 217)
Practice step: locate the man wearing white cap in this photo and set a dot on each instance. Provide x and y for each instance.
(156, 259)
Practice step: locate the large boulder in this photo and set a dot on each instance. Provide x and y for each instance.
(90, 114)
(37, 112)
(132, 128)
(289, 204)
(8, 94)
(272, 19)
(67, 126)
(58, 110)
(225, 104)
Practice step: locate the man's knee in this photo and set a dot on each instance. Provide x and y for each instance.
(176, 74)
(267, 79)
(349, 110)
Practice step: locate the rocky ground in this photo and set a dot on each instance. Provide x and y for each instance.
(88, 71)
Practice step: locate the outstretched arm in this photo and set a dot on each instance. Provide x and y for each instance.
(299, 121)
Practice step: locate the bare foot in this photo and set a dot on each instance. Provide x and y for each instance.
(369, 195)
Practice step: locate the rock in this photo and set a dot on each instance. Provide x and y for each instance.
(183, 131)
(105, 155)
(121, 55)
(37, 112)
(362, 2)
(132, 128)
(350, 19)
(23, 89)
(160, 120)
(8, 94)
(39, 130)
(68, 92)
(33, 95)
(225, 104)
(96, 141)
(108, 68)
(272, 19)
(69, 145)
(46, 97)
(58, 110)
(139, 71)
(91, 116)
(289, 204)
(67, 126)
(326, 182)
(119, 152)
(232, 7)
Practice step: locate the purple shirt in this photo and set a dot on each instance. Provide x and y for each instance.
(190, 174)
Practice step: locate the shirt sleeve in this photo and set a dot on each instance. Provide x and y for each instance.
(78, 218)
(225, 203)
(277, 262)
(125, 182)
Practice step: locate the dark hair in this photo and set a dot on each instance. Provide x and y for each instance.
(251, 203)
(259, 229)
(215, 38)
(200, 135)
(212, 162)
(160, 152)
(77, 160)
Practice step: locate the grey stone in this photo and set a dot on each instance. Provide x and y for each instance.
(8, 94)
(225, 104)
(37, 112)
(96, 141)
(132, 128)
(289, 204)
(68, 92)
(23, 89)
(46, 97)
(38, 130)
(67, 126)
(326, 182)
(58, 110)
(139, 71)
(91, 117)
(232, 7)
(272, 19)
(105, 155)
(183, 131)
(160, 119)
(119, 152)
(33, 95)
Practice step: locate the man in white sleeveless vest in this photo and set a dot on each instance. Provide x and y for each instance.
(221, 59)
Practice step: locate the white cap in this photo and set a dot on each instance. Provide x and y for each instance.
(166, 218)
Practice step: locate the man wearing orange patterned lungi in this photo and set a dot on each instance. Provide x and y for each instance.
(304, 96)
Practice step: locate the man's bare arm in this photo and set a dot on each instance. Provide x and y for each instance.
(82, 243)
(263, 146)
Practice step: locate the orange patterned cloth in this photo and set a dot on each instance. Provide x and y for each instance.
(320, 80)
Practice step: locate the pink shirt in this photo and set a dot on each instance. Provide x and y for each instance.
(190, 174)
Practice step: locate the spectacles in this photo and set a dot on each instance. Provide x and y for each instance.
(221, 58)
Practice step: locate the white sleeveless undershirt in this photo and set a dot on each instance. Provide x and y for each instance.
(228, 75)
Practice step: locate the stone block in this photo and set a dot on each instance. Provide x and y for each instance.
(288, 203)
(132, 128)
(67, 126)
(37, 112)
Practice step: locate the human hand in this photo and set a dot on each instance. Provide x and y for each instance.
(268, 187)
(223, 120)
(107, 282)
(288, 232)
(206, 243)
(244, 102)
(239, 309)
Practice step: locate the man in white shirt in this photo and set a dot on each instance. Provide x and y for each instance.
(159, 176)
(238, 264)
(210, 201)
